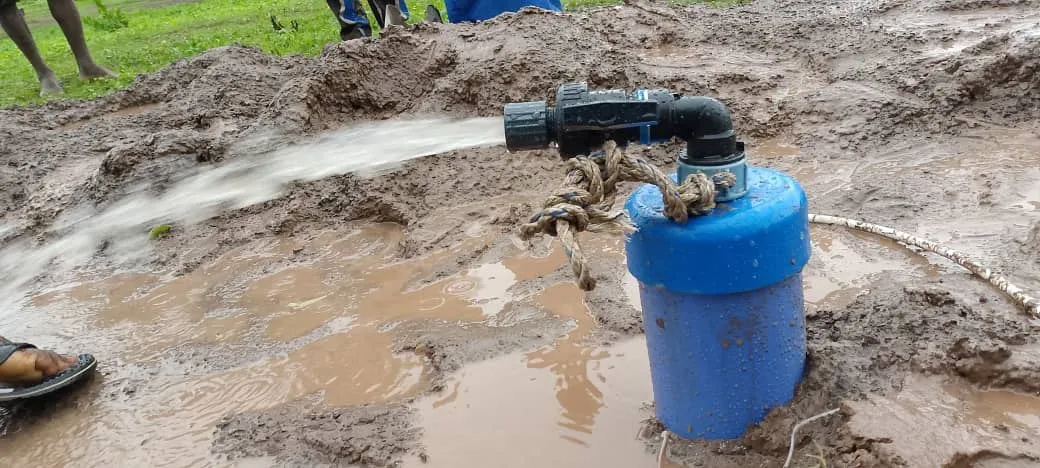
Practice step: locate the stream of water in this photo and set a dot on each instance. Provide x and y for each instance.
(261, 175)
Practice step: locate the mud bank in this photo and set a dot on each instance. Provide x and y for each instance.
(389, 319)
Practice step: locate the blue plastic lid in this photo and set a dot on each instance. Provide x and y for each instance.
(749, 243)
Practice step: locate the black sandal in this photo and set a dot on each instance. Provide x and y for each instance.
(73, 374)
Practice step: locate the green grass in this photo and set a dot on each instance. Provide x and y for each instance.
(159, 32)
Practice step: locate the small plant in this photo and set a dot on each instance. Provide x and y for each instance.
(277, 25)
(107, 20)
(159, 231)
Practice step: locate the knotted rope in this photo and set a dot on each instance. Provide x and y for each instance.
(585, 201)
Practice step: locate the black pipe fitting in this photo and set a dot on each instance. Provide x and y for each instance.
(583, 120)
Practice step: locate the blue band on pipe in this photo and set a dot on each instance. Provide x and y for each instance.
(644, 131)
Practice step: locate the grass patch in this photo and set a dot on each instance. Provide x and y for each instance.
(154, 38)
(133, 37)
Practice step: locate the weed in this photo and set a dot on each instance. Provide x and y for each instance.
(159, 231)
(106, 20)
(279, 27)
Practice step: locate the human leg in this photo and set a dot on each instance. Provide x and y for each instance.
(14, 26)
(379, 11)
(67, 16)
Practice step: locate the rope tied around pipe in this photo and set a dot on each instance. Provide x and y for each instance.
(585, 201)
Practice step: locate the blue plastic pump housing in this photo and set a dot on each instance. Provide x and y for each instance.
(723, 304)
(721, 293)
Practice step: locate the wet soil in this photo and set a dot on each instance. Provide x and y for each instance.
(397, 319)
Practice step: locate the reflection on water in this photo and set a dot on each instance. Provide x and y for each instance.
(502, 413)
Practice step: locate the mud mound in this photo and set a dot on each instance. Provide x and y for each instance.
(997, 76)
(198, 107)
(960, 5)
(373, 435)
(460, 70)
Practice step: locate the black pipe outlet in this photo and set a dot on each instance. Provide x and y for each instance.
(706, 126)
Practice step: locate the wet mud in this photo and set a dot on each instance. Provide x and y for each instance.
(396, 319)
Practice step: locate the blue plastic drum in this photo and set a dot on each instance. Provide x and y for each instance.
(723, 304)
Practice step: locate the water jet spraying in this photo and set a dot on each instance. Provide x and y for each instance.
(263, 172)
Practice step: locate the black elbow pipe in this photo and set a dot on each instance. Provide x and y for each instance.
(707, 127)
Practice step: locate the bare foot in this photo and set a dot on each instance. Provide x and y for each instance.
(30, 366)
(95, 71)
(50, 85)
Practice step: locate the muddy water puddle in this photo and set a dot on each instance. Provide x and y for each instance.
(955, 31)
(941, 420)
(844, 263)
(998, 174)
(285, 318)
(508, 412)
(316, 324)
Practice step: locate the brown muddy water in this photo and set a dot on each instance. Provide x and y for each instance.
(579, 402)
(393, 317)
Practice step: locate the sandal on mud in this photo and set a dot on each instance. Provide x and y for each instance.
(74, 373)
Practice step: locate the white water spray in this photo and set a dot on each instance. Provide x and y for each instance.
(244, 181)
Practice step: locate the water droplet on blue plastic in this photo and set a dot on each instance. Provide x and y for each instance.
(754, 263)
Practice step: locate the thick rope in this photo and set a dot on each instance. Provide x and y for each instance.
(1017, 294)
(585, 201)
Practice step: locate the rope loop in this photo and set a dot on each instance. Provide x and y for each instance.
(585, 201)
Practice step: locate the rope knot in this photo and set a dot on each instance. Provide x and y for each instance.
(585, 200)
(545, 221)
